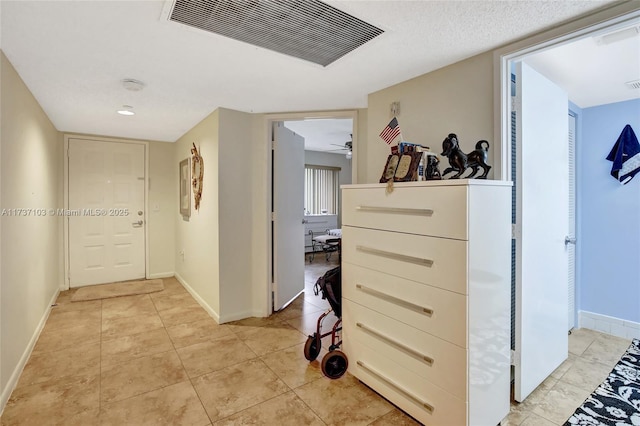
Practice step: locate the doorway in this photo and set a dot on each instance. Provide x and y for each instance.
(104, 214)
(281, 258)
(523, 53)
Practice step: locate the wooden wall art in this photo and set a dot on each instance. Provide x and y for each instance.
(197, 171)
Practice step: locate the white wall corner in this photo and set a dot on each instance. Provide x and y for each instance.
(199, 299)
(159, 275)
(610, 325)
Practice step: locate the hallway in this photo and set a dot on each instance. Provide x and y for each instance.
(159, 358)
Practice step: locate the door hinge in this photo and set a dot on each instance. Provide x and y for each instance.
(273, 216)
(514, 231)
(515, 358)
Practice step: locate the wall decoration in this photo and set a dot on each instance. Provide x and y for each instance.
(407, 170)
(185, 193)
(459, 161)
(197, 172)
(390, 168)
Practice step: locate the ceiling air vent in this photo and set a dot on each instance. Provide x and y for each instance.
(635, 84)
(306, 29)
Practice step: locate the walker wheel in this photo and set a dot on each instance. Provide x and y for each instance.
(334, 364)
(312, 347)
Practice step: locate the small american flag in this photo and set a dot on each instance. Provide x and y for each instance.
(390, 132)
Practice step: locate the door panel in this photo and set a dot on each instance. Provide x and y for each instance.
(106, 194)
(288, 208)
(542, 225)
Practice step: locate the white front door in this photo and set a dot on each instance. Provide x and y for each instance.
(288, 213)
(541, 227)
(106, 212)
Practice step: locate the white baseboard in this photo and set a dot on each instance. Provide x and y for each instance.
(199, 299)
(17, 371)
(160, 275)
(236, 316)
(610, 325)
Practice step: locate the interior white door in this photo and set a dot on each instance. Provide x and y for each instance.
(288, 214)
(541, 225)
(570, 242)
(106, 212)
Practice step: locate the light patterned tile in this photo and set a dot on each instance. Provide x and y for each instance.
(560, 402)
(214, 355)
(172, 287)
(118, 327)
(606, 349)
(233, 389)
(292, 367)
(53, 401)
(536, 420)
(272, 338)
(344, 401)
(396, 418)
(55, 339)
(82, 360)
(173, 301)
(197, 332)
(141, 375)
(126, 348)
(127, 306)
(580, 339)
(73, 314)
(586, 375)
(284, 410)
(183, 315)
(172, 405)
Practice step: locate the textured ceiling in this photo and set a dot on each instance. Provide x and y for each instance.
(73, 55)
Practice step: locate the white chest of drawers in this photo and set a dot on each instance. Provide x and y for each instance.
(426, 296)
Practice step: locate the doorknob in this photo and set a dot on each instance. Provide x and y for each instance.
(569, 240)
(304, 221)
(138, 224)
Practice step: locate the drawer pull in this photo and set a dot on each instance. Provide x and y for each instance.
(396, 256)
(430, 408)
(397, 210)
(397, 344)
(395, 300)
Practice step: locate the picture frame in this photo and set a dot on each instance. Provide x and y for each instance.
(390, 168)
(407, 170)
(185, 187)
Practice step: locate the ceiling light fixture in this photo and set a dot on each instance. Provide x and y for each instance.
(349, 155)
(126, 110)
(619, 35)
(132, 84)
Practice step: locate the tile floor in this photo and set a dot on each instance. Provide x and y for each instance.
(159, 359)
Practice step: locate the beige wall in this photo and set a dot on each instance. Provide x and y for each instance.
(454, 99)
(198, 236)
(235, 215)
(31, 172)
(163, 205)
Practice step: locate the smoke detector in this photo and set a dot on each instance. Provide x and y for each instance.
(132, 84)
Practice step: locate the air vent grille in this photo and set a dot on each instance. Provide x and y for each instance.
(635, 84)
(306, 29)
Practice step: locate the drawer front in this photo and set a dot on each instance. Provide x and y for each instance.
(438, 312)
(435, 360)
(436, 211)
(426, 402)
(439, 262)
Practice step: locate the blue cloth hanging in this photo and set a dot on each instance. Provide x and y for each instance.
(625, 155)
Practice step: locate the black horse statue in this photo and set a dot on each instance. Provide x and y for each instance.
(460, 162)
